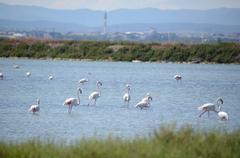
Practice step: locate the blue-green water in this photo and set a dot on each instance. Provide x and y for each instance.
(173, 102)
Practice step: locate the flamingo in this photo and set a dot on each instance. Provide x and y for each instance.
(70, 102)
(1, 76)
(126, 96)
(50, 77)
(28, 74)
(96, 94)
(35, 108)
(16, 66)
(178, 77)
(146, 97)
(83, 80)
(211, 107)
(223, 115)
(145, 102)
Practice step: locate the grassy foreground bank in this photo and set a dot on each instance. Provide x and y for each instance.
(121, 51)
(166, 143)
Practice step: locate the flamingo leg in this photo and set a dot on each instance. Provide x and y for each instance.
(202, 113)
(149, 104)
(95, 102)
(89, 102)
(208, 114)
(69, 109)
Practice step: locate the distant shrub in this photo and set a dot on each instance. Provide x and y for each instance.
(121, 51)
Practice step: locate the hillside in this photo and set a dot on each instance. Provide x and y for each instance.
(222, 20)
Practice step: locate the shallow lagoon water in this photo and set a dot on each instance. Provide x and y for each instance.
(173, 101)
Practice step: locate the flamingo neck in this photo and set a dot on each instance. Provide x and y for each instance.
(78, 98)
(219, 106)
(38, 102)
(98, 89)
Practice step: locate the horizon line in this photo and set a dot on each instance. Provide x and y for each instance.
(109, 10)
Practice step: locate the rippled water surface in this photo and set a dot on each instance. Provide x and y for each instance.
(173, 101)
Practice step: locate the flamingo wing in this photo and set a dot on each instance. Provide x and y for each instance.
(205, 106)
(94, 95)
(84, 80)
(141, 104)
(68, 101)
(34, 108)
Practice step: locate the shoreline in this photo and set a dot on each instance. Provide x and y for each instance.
(133, 61)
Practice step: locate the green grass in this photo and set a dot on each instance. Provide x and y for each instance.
(165, 143)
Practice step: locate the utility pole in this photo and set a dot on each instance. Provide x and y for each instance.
(105, 23)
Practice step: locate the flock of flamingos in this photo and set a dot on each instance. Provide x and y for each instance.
(144, 103)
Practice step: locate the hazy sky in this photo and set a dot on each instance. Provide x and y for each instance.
(132, 4)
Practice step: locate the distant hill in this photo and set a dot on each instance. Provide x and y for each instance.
(84, 20)
(7, 25)
(222, 16)
(176, 27)
(33, 13)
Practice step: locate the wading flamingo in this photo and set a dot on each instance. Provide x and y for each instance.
(223, 115)
(126, 96)
(96, 94)
(211, 107)
(28, 74)
(35, 108)
(178, 77)
(145, 102)
(50, 77)
(16, 66)
(70, 102)
(83, 81)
